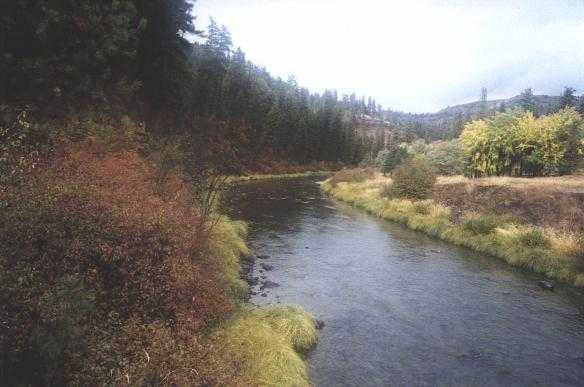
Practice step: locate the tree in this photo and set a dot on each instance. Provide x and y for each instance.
(527, 101)
(581, 105)
(483, 105)
(447, 157)
(388, 159)
(568, 98)
(518, 143)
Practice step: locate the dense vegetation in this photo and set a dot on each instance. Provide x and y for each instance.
(135, 57)
(116, 136)
(517, 143)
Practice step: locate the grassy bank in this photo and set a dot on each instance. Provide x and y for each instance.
(109, 275)
(281, 176)
(264, 345)
(555, 255)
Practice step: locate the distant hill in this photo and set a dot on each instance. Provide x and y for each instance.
(447, 122)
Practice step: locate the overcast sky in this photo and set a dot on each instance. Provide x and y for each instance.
(417, 56)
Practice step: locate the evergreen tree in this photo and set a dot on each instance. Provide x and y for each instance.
(568, 98)
(527, 101)
(580, 108)
(483, 103)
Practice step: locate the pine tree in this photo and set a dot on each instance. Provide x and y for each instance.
(568, 98)
(483, 104)
(580, 107)
(527, 101)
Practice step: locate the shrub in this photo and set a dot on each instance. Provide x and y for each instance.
(356, 175)
(386, 191)
(484, 224)
(447, 157)
(88, 250)
(388, 159)
(413, 179)
(533, 237)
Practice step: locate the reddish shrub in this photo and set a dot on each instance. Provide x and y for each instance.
(85, 245)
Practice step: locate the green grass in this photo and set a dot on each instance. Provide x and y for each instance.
(267, 344)
(484, 224)
(264, 344)
(227, 245)
(525, 246)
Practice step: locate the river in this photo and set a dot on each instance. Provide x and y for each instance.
(403, 309)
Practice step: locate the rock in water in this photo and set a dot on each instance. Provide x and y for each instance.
(269, 285)
(266, 267)
(547, 285)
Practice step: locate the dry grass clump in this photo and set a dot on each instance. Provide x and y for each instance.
(485, 224)
(266, 345)
(357, 175)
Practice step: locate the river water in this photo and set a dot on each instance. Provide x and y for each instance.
(403, 309)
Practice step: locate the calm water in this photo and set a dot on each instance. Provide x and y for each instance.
(402, 309)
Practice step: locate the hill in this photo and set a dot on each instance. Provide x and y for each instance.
(445, 123)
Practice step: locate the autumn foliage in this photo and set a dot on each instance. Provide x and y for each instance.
(102, 280)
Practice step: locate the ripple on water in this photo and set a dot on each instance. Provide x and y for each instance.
(403, 309)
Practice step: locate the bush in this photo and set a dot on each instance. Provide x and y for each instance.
(94, 266)
(447, 157)
(386, 191)
(356, 175)
(533, 237)
(484, 224)
(388, 159)
(413, 179)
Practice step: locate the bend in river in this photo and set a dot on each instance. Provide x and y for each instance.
(401, 308)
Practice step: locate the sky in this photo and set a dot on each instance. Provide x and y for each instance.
(414, 56)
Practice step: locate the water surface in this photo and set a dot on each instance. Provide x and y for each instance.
(403, 309)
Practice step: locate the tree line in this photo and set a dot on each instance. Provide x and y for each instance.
(138, 58)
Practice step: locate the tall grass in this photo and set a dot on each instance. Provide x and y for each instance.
(226, 246)
(530, 247)
(266, 344)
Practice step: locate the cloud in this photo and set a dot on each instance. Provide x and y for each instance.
(412, 56)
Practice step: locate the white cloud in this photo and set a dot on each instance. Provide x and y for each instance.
(414, 56)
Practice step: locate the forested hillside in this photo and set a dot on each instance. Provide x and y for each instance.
(137, 58)
(449, 122)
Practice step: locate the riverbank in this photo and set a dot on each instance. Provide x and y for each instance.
(543, 250)
(111, 276)
(264, 345)
(281, 176)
